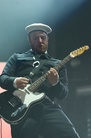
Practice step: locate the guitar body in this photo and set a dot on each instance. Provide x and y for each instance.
(15, 107)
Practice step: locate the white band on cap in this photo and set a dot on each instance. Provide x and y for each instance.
(38, 26)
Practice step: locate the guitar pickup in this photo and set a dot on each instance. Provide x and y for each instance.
(14, 101)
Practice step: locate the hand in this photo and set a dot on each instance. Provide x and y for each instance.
(53, 76)
(21, 82)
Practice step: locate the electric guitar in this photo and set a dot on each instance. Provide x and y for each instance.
(14, 107)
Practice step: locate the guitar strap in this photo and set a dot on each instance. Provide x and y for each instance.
(37, 65)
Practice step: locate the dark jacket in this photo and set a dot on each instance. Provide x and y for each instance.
(21, 64)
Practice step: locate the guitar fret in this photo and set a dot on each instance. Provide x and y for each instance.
(37, 83)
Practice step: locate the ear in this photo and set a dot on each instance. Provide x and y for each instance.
(28, 40)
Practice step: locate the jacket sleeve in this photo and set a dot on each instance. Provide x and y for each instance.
(60, 90)
(8, 74)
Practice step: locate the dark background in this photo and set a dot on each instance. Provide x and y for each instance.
(71, 24)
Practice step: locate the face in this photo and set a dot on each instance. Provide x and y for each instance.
(38, 41)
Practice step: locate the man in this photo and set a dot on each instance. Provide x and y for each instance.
(45, 118)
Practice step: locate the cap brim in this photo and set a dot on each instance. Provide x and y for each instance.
(38, 26)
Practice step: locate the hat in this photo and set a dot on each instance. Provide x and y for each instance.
(38, 27)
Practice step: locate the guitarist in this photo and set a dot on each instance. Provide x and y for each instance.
(45, 118)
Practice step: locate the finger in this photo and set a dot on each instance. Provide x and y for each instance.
(24, 82)
(53, 72)
(23, 85)
(25, 79)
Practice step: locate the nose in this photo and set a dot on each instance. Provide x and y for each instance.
(40, 39)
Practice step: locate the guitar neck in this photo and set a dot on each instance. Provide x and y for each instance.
(62, 63)
(35, 85)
